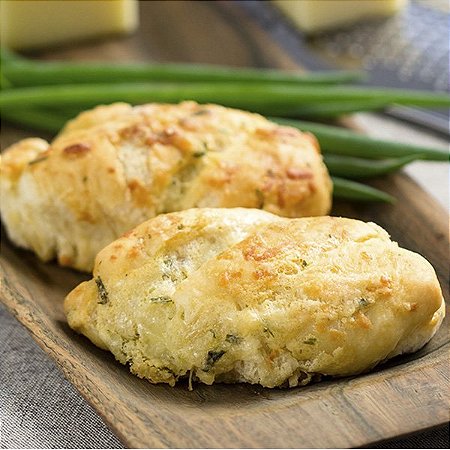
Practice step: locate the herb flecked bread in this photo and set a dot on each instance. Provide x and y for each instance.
(241, 295)
(115, 166)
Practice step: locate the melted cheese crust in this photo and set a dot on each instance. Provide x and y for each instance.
(115, 166)
(241, 295)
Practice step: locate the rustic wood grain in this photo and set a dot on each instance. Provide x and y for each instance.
(408, 394)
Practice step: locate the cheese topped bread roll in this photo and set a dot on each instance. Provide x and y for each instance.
(115, 166)
(241, 295)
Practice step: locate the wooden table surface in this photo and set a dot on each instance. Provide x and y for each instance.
(345, 413)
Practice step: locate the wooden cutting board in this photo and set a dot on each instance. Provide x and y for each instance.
(406, 395)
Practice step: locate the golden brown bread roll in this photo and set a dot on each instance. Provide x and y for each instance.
(115, 166)
(241, 295)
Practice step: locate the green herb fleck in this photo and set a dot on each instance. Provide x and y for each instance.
(180, 226)
(213, 333)
(267, 330)
(37, 160)
(102, 292)
(168, 269)
(363, 302)
(161, 299)
(168, 262)
(299, 261)
(310, 341)
(233, 339)
(199, 153)
(260, 198)
(166, 369)
(201, 112)
(212, 358)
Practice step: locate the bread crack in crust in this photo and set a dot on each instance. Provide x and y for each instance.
(115, 166)
(241, 295)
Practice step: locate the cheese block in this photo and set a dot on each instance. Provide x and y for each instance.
(30, 24)
(313, 16)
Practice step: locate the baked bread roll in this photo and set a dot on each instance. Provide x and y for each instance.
(241, 295)
(115, 166)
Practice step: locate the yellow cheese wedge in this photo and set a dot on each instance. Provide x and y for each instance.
(312, 16)
(29, 24)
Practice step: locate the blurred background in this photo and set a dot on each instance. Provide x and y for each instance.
(408, 48)
(399, 43)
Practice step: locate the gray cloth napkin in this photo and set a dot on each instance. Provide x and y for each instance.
(40, 409)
